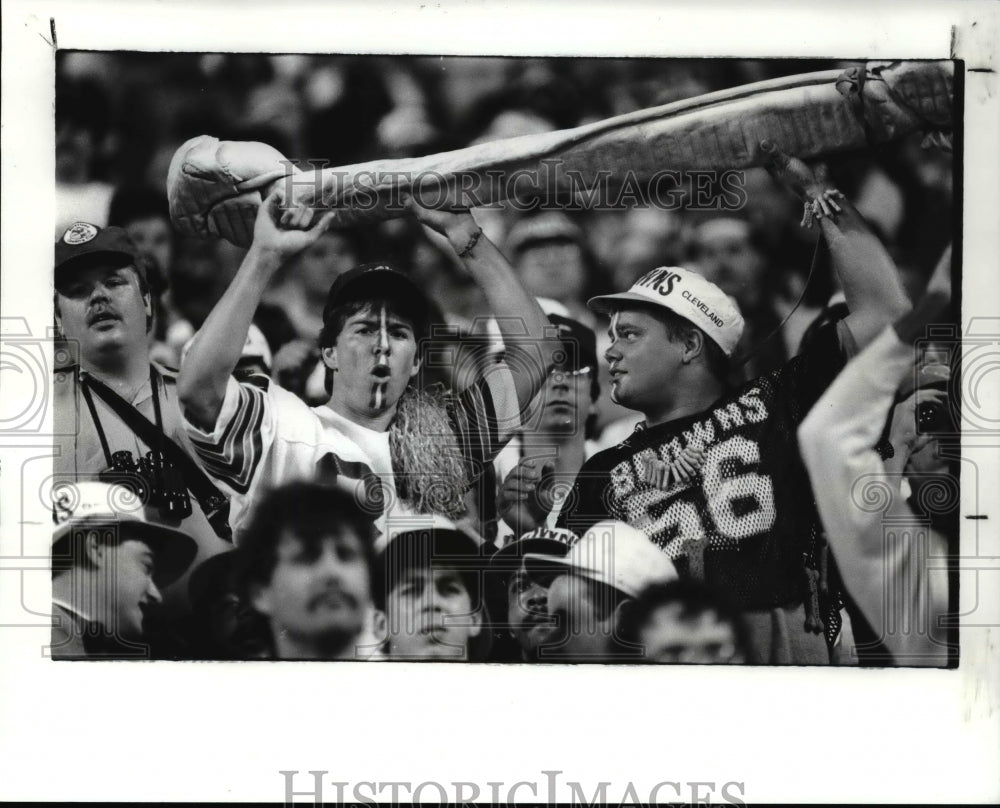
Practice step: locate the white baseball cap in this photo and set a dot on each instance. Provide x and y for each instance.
(616, 554)
(691, 296)
(91, 504)
(541, 541)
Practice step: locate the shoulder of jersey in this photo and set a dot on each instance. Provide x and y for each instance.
(170, 374)
(256, 380)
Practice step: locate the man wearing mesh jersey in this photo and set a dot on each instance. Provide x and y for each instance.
(713, 475)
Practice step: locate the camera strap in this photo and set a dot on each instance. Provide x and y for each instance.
(93, 417)
(209, 497)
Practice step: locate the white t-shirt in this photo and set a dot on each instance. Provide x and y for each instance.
(266, 436)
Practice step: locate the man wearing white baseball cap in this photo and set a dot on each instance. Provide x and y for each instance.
(520, 590)
(713, 475)
(110, 560)
(594, 582)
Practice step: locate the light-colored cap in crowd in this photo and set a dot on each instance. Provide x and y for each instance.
(615, 554)
(685, 293)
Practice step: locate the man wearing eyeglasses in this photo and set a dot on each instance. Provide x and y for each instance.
(553, 443)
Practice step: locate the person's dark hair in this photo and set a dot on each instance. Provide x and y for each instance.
(84, 103)
(832, 313)
(133, 203)
(426, 551)
(335, 318)
(595, 275)
(141, 266)
(694, 597)
(755, 238)
(310, 512)
(353, 300)
(679, 328)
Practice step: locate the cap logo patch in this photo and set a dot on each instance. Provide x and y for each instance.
(80, 233)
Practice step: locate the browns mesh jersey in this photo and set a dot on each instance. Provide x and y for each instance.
(747, 523)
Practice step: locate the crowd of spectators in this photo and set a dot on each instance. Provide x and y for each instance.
(120, 118)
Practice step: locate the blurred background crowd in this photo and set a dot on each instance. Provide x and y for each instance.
(121, 116)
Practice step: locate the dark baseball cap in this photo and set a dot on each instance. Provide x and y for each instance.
(426, 548)
(83, 240)
(580, 342)
(436, 548)
(548, 541)
(212, 577)
(378, 282)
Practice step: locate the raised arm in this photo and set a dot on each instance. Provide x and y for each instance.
(848, 476)
(532, 344)
(867, 274)
(278, 235)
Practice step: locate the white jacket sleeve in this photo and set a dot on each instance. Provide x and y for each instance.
(838, 436)
(884, 571)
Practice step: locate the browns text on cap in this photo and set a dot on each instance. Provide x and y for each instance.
(551, 541)
(688, 294)
(616, 554)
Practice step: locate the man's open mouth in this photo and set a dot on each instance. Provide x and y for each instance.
(381, 372)
(102, 317)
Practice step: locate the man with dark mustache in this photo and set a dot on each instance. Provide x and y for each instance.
(103, 310)
(306, 563)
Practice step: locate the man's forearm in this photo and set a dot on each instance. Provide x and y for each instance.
(218, 344)
(522, 323)
(867, 274)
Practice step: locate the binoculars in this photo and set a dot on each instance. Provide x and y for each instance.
(154, 479)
